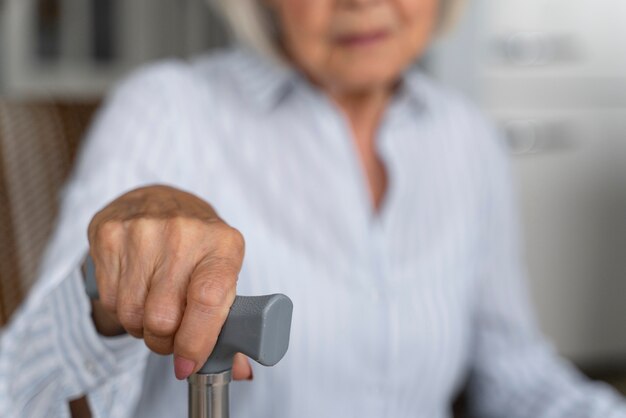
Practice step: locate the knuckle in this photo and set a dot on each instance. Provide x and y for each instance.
(130, 316)
(162, 321)
(109, 301)
(95, 223)
(236, 241)
(108, 235)
(184, 233)
(137, 333)
(217, 229)
(180, 235)
(144, 228)
(229, 246)
(208, 295)
(159, 345)
(230, 236)
(180, 226)
(183, 223)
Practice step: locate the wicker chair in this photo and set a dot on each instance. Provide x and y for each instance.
(38, 142)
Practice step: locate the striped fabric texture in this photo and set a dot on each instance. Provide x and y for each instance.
(395, 311)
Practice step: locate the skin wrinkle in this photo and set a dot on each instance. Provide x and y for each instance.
(139, 204)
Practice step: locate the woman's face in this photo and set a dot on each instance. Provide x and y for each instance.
(354, 45)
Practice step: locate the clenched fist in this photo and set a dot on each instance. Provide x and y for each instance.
(166, 269)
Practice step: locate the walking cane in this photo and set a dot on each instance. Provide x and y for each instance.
(257, 326)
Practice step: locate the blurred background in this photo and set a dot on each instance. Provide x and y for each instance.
(551, 74)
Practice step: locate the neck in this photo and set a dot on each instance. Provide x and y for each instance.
(363, 109)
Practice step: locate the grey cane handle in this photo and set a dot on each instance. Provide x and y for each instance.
(257, 326)
(91, 287)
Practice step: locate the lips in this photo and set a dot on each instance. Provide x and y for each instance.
(362, 39)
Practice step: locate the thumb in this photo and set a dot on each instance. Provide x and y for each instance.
(241, 368)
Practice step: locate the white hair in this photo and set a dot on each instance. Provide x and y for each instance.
(252, 24)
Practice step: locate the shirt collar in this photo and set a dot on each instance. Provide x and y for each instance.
(267, 81)
(413, 88)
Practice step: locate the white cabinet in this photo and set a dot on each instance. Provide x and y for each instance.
(552, 73)
(571, 172)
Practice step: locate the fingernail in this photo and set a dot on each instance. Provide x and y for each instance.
(183, 367)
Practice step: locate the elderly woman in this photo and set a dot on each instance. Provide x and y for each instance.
(379, 201)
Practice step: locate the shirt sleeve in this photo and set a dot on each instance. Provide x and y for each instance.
(51, 353)
(515, 372)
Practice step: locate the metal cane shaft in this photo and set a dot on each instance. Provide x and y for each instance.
(208, 395)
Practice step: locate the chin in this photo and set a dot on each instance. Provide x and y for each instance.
(365, 80)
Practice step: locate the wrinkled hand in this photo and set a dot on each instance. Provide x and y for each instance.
(166, 269)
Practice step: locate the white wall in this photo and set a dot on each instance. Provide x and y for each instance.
(553, 72)
(455, 57)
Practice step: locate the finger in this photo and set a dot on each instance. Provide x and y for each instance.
(131, 295)
(165, 304)
(242, 370)
(210, 294)
(141, 261)
(106, 245)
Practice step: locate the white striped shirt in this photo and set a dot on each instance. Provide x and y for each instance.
(394, 312)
